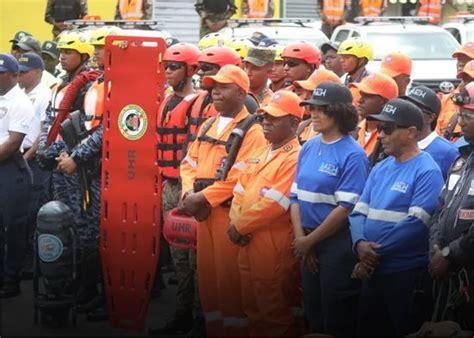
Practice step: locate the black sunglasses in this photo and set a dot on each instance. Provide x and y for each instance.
(388, 129)
(205, 67)
(292, 63)
(173, 65)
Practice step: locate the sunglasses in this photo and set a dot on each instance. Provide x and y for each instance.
(389, 128)
(466, 115)
(461, 99)
(173, 65)
(205, 67)
(292, 63)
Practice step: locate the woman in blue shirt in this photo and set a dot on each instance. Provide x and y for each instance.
(331, 173)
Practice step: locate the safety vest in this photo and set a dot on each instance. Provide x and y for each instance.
(448, 109)
(369, 145)
(371, 7)
(57, 96)
(333, 11)
(172, 129)
(258, 8)
(202, 109)
(94, 105)
(131, 9)
(431, 8)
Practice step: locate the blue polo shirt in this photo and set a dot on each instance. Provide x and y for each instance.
(328, 175)
(395, 210)
(443, 152)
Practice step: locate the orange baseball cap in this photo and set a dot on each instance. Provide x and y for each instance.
(229, 74)
(318, 76)
(378, 84)
(395, 64)
(467, 70)
(466, 49)
(283, 103)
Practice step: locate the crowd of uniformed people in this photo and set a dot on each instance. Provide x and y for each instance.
(345, 208)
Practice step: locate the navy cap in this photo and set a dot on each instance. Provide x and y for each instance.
(257, 37)
(267, 42)
(401, 112)
(425, 98)
(29, 61)
(19, 35)
(329, 45)
(8, 63)
(328, 93)
(51, 48)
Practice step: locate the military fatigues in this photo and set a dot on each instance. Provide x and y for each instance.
(204, 29)
(62, 10)
(453, 228)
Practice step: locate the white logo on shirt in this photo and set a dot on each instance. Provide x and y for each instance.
(400, 187)
(328, 168)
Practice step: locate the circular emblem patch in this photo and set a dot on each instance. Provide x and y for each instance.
(132, 122)
(50, 248)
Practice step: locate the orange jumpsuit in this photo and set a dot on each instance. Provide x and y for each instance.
(448, 109)
(269, 271)
(218, 271)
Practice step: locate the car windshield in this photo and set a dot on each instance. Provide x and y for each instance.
(418, 46)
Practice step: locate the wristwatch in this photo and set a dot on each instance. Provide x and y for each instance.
(445, 252)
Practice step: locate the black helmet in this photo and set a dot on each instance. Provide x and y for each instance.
(425, 98)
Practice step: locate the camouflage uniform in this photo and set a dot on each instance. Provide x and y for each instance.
(260, 57)
(147, 9)
(204, 29)
(187, 294)
(63, 10)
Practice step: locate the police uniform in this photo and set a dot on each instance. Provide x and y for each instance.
(453, 232)
(16, 113)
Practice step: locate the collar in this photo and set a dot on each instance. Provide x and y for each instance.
(423, 144)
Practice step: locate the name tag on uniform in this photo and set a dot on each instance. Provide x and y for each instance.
(466, 214)
(452, 180)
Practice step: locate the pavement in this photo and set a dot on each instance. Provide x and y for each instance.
(16, 317)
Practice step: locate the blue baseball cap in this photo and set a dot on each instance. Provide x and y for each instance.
(29, 61)
(8, 63)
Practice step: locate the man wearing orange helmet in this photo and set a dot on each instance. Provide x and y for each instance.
(448, 108)
(181, 62)
(301, 59)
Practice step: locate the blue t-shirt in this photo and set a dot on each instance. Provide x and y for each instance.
(443, 152)
(328, 175)
(461, 142)
(395, 210)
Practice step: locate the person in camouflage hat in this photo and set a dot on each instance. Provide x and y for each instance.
(258, 64)
(213, 21)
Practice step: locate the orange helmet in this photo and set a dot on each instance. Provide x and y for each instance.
(220, 56)
(185, 53)
(304, 51)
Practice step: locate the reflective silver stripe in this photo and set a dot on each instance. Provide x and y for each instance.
(297, 311)
(386, 215)
(362, 208)
(239, 188)
(278, 197)
(314, 197)
(235, 322)
(213, 316)
(420, 213)
(294, 188)
(344, 196)
(239, 166)
(191, 162)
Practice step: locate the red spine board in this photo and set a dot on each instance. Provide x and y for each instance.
(131, 184)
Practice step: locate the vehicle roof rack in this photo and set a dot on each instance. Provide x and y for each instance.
(365, 20)
(125, 24)
(268, 22)
(462, 18)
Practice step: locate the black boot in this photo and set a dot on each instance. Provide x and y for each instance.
(177, 325)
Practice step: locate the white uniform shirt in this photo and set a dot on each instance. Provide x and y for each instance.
(39, 97)
(16, 113)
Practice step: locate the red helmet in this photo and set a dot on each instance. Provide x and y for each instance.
(183, 52)
(304, 51)
(220, 56)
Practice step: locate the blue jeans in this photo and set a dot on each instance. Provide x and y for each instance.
(330, 295)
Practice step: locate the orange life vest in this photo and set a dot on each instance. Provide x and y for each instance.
(258, 8)
(371, 7)
(333, 11)
(202, 109)
(431, 8)
(94, 105)
(172, 129)
(131, 9)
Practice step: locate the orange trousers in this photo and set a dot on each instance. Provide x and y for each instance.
(271, 289)
(219, 278)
